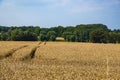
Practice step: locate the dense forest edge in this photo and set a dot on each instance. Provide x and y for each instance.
(95, 33)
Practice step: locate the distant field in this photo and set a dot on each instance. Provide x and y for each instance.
(59, 61)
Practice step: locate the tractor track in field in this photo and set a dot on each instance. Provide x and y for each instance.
(42, 43)
(39, 43)
(32, 52)
(11, 52)
(29, 56)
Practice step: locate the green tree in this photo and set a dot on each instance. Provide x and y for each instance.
(52, 38)
(98, 36)
(0, 36)
(72, 38)
(4, 36)
(60, 30)
(19, 35)
(29, 36)
(42, 37)
(51, 35)
(66, 35)
(37, 30)
(16, 35)
(77, 36)
(118, 37)
(114, 37)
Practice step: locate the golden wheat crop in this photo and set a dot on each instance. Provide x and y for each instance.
(61, 61)
(24, 53)
(7, 48)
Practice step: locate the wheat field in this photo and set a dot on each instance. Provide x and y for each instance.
(59, 61)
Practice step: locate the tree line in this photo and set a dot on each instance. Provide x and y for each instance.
(96, 33)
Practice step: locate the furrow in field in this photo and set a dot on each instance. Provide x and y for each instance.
(26, 53)
(42, 43)
(10, 52)
(39, 43)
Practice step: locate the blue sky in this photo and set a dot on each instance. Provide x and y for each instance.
(51, 13)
